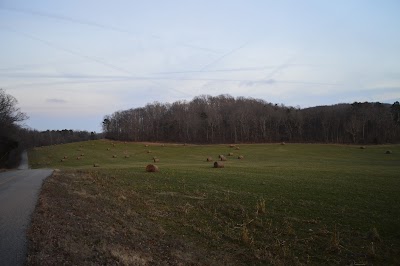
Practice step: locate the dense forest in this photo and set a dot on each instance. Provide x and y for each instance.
(14, 138)
(225, 119)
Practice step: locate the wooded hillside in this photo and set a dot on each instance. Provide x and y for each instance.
(225, 119)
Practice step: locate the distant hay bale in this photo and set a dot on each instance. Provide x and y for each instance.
(222, 158)
(209, 159)
(237, 148)
(82, 154)
(156, 160)
(363, 147)
(388, 152)
(126, 156)
(162, 145)
(108, 149)
(96, 165)
(232, 146)
(218, 164)
(152, 168)
(114, 156)
(78, 158)
(240, 157)
(219, 156)
(230, 154)
(146, 145)
(283, 143)
(63, 160)
(149, 151)
(65, 157)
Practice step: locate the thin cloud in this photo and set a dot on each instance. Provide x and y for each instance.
(99, 25)
(258, 82)
(55, 100)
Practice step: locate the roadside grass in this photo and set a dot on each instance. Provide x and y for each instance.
(288, 204)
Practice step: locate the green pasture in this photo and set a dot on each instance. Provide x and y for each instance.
(281, 204)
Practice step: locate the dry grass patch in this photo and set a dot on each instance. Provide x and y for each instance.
(95, 226)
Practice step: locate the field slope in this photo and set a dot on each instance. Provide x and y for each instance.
(287, 204)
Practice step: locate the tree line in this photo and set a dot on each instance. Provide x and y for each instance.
(225, 119)
(14, 138)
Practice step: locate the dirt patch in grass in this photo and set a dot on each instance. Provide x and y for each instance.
(83, 219)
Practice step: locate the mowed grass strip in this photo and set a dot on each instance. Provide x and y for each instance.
(282, 204)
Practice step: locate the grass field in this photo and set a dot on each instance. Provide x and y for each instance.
(287, 204)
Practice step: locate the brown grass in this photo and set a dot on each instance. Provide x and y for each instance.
(106, 224)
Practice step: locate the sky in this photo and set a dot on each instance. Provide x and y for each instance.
(71, 62)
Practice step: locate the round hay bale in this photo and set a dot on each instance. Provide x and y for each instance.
(82, 154)
(222, 158)
(62, 160)
(148, 151)
(218, 164)
(156, 160)
(78, 158)
(65, 157)
(240, 157)
(363, 147)
(231, 146)
(230, 154)
(209, 159)
(96, 165)
(108, 149)
(152, 168)
(114, 156)
(219, 156)
(237, 148)
(283, 143)
(146, 145)
(388, 152)
(126, 156)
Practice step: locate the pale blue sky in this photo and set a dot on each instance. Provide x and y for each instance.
(69, 63)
